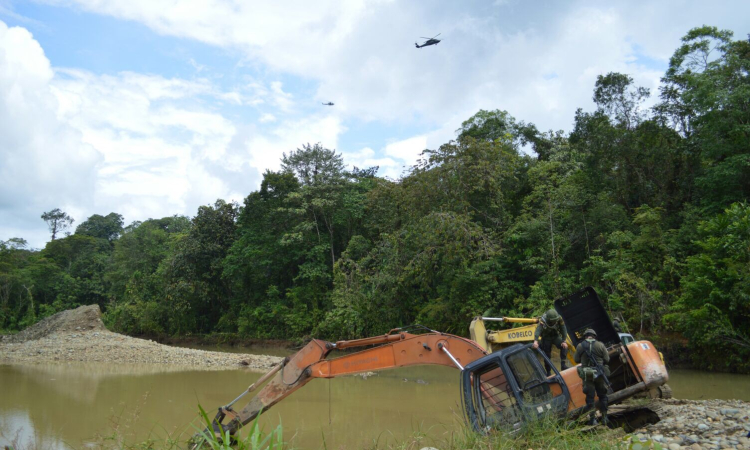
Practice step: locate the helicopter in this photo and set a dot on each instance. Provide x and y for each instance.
(429, 41)
(328, 104)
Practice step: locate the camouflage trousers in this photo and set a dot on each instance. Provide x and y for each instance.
(596, 388)
(546, 346)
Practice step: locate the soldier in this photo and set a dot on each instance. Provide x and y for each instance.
(553, 332)
(588, 354)
(617, 326)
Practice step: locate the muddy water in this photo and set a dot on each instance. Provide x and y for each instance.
(698, 385)
(68, 406)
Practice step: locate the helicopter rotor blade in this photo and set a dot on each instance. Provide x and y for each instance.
(436, 35)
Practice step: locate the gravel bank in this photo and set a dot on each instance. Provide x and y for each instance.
(105, 346)
(79, 335)
(697, 425)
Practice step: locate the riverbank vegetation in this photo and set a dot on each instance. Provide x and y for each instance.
(648, 204)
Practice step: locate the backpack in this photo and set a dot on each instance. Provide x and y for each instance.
(588, 373)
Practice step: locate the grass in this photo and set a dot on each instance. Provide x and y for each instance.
(254, 439)
(543, 434)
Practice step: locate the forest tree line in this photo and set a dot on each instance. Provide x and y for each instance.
(646, 204)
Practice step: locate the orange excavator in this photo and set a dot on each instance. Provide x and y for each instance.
(503, 388)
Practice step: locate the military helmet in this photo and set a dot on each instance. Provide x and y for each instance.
(589, 332)
(552, 316)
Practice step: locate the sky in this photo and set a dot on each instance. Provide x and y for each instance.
(151, 108)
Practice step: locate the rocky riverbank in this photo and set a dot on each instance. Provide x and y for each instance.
(696, 425)
(79, 335)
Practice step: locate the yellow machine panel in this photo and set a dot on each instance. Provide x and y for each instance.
(494, 340)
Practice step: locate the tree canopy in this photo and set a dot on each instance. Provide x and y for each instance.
(649, 205)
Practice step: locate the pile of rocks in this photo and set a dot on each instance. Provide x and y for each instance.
(88, 317)
(696, 425)
(80, 335)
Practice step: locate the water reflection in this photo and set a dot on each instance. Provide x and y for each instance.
(61, 406)
(75, 404)
(275, 350)
(698, 385)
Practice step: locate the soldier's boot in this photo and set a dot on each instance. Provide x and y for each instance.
(548, 368)
(602, 406)
(563, 359)
(592, 414)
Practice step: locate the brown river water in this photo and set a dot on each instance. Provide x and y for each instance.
(62, 406)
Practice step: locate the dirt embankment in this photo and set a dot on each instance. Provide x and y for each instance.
(80, 335)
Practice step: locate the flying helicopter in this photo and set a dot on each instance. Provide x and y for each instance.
(328, 104)
(429, 41)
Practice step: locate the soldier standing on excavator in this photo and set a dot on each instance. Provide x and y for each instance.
(593, 357)
(553, 332)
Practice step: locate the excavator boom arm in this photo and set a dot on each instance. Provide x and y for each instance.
(392, 350)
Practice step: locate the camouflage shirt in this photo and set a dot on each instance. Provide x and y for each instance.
(550, 331)
(598, 350)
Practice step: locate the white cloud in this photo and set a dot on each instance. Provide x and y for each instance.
(166, 151)
(44, 162)
(400, 156)
(267, 117)
(140, 145)
(155, 138)
(282, 100)
(407, 150)
(492, 56)
(172, 143)
(365, 158)
(266, 149)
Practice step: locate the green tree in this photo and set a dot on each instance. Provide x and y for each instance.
(261, 268)
(136, 275)
(107, 227)
(615, 96)
(713, 310)
(57, 221)
(84, 259)
(321, 195)
(705, 96)
(196, 293)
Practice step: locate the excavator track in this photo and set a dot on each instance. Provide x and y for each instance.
(665, 391)
(660, 392)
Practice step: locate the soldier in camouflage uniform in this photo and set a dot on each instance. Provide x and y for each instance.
(553, 332)
(593, 381)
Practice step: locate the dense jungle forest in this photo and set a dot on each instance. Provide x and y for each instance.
(647, 204)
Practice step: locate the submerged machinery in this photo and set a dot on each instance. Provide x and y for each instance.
(500, 388)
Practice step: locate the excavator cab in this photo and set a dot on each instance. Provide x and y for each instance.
(506, 388)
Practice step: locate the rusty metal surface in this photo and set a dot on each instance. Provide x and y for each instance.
(409, 351)
(401, 350)
(384, 339)
(396, 350)
(646, 358)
